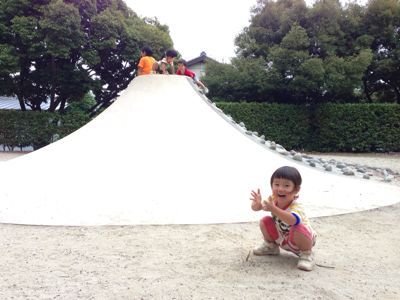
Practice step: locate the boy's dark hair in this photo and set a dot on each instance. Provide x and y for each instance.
(171, 53)
(147, 50)
(183, 62)
(288, 173)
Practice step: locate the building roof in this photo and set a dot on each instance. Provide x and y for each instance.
(200, 59)
(13, 103)
(9, 103)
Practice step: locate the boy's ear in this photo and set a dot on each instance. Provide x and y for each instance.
(297, 189)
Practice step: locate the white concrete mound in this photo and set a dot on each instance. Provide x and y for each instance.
(161, 154)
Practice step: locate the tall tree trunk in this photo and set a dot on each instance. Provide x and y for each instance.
(53, 102)
(21, 102)
(21, 93)
(62, 105)
(366, 91)
(397, 92)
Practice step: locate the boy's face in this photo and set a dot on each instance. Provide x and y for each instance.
(142, 53)
(284, 190)
(170, 59)
(181, 67)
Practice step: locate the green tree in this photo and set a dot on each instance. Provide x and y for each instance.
(56, 51)
(343, 80)
(19, 42)
(382, 20)
(62, 37)
(270, 22)
(242, 80)
(117, 43)
(311, 54)
(286, 60)
(323, 27)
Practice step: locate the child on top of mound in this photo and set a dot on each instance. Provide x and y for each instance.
(166, 64)
(146, 61)
(288, 226)
(183, 70)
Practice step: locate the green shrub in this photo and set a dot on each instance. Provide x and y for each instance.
(325, 128)
(357, 127)
(285, 124)
(25, 128)
(36, 129)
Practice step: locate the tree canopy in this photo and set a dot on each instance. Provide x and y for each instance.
(312, 54)
(56, 51)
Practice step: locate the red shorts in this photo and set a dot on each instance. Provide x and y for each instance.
(286, 239)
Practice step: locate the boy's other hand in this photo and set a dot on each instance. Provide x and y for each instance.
(268, 204)
(256, 196)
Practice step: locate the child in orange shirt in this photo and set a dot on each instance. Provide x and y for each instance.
(146, 62)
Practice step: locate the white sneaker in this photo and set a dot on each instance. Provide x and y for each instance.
(306, 261)
(266, 248)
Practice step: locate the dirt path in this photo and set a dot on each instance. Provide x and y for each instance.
(10, 155)
(358, 254)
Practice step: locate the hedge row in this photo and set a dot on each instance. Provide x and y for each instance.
(286, 124)
(358, 127)
(37, 129)
(325, 128)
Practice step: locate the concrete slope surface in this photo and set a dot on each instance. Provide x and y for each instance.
(162, 154)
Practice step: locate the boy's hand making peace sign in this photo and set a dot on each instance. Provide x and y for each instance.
(256, 200)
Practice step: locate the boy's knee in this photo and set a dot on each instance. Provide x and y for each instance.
(261, 223)
(267, 225)
(267, 222)
(301, 231)
(301, 228)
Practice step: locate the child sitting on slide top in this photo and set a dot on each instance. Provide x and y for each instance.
(288, 227)
(166, 64)
(146, 61)
(183, 70)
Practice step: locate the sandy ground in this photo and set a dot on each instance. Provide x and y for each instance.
(9, 155)
(358, 258)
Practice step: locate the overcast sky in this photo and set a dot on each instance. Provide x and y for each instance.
(202, 25)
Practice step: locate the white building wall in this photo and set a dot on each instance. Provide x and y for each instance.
(199, 69)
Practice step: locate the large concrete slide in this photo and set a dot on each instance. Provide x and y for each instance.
(163, 154)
